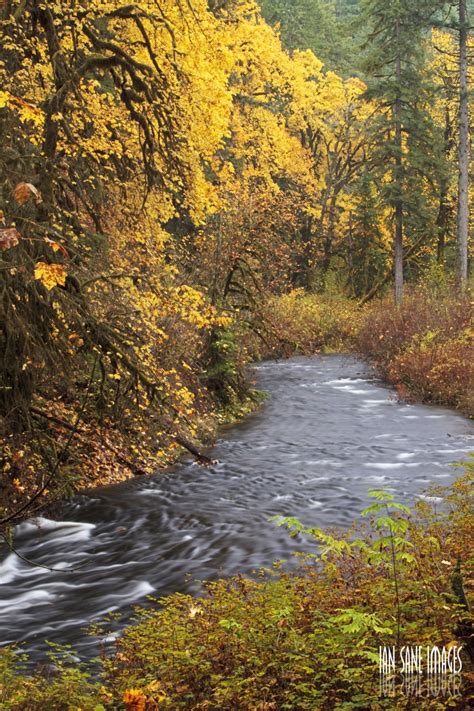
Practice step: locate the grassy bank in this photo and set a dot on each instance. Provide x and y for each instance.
(302, 640)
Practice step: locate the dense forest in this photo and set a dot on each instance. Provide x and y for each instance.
(190, 185)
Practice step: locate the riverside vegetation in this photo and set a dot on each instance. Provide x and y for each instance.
(153, 156)
(303, 640)
(309, 638)
(425, 347)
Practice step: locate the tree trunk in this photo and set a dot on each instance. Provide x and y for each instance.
(398, 241)
(444, 211)
(442, 221)
(313, 282)
(350, 256)
(329, 238)
(386, 278)
(464, 149)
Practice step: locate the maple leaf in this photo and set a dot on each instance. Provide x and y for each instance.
(9, 237)
(50, 275)
(24, 192)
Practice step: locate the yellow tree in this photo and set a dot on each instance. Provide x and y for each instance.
(330, 118)
(109, 132)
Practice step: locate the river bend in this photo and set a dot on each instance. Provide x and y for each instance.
(328, 432)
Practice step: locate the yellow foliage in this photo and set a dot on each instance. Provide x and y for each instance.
(182, 162)
(50, 275)
(134, 700)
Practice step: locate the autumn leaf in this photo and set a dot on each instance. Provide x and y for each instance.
(4, 95)
(76, 339)
(18, 486)
(56, 246)
(24, 192)
(9, 237)
(134, 700)
(50, 274)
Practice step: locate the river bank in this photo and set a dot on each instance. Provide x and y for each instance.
(425, 349)
(327, 434)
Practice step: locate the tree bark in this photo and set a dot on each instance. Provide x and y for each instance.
(464, 150)
(442, 221)
(329, 238)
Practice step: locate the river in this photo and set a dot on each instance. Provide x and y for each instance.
(328, 432)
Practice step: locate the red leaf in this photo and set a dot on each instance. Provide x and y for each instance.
(9, 237)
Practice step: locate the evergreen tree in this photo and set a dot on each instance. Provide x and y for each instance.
(319, 25)
(457, 20)
(407, 145)
(464, 148)
(347, 9)
(366, 253)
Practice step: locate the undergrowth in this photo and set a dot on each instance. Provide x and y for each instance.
(301, 323)
(307, 639)
(425, 348)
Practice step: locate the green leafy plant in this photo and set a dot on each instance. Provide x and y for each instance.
(301, 639)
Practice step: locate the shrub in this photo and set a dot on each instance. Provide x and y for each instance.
(426, 348)
(309, 639)
(303, 323)
(306, 639)
(61, 686)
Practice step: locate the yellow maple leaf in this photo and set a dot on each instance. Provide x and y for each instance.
(50, 274)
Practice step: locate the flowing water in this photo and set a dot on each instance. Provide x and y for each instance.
(328, 432)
